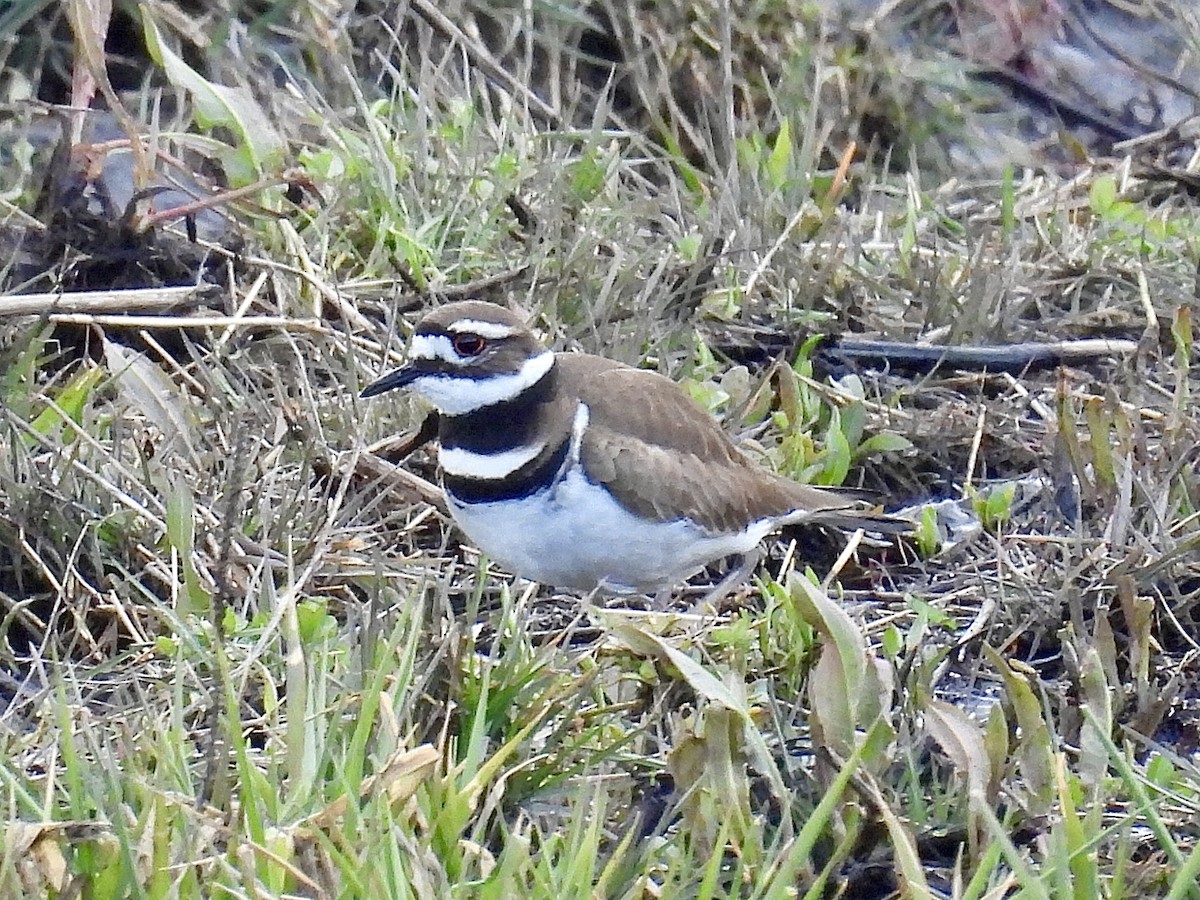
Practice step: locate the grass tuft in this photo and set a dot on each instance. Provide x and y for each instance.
(234, 662)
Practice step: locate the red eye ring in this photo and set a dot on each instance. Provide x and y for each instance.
(467, 344)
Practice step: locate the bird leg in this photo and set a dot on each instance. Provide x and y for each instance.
(397, 449)
(729, 583)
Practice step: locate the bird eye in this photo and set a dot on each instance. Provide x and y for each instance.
(467, 344)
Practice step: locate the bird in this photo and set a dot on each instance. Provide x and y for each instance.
(580, 472)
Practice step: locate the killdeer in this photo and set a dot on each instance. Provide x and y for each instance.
(581, 472)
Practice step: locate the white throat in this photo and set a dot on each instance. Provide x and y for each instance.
(457, 395)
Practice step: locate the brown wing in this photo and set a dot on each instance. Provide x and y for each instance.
(647, 407)
(664, 456)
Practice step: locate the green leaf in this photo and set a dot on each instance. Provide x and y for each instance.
(854, 423)
(884, 442)
(1160, 771)
(964, 743)
(779, 162)
(998, 506)
(892, 642)
(315, 623)
(931, 613)
(217, 105)
(147, 389)
(837, 452)
(1035, 750)
(1099, 428)
(995, 739)
(1181, 333)
(706, 685)
(803, 362)
(16, 382)
(929, 539)
(840, 678)
(1103, 194)
(1095, 695)
(71, 400)
(702, 681)
(588, 174)
(166, 646)
(688, 247)
(181, 535)
(1008, 219)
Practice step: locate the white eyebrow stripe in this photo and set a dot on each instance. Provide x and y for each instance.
(488, 330)
(458, 394)
(434, 346)
(486, 466)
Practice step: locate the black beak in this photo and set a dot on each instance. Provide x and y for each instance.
(397, 378)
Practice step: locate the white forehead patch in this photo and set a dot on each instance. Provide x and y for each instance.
(434, 346)
(492, 331)
(457, 395)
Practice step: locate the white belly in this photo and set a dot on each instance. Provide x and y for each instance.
(575, 535)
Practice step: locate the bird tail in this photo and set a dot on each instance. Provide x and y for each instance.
(842, 507)
(852, 520)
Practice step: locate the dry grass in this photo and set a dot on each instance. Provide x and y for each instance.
(241, 661)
